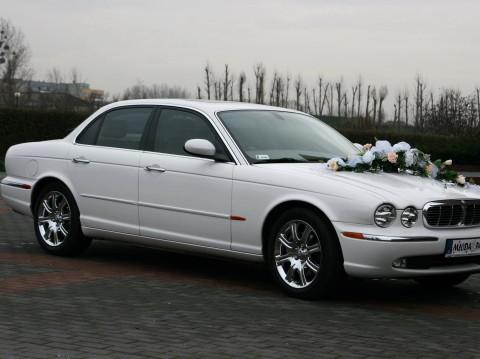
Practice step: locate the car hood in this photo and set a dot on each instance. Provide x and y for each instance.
(401, 189)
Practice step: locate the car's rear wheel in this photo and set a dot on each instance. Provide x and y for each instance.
(57, 221)
(304, 255)
(442, 281)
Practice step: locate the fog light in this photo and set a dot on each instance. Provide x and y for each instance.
(400, 263)
(385, 215)
(409, 217)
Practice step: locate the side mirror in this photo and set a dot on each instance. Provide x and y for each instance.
(200, 147)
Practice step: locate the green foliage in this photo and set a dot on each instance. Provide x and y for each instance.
(462, 150)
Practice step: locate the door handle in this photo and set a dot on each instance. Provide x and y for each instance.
(80, 160)
(155, 168)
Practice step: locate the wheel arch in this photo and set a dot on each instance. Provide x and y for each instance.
(39, 184)
(288, 204)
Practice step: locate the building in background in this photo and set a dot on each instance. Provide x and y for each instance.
(58, 96)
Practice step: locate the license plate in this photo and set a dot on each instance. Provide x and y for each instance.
(462, 247)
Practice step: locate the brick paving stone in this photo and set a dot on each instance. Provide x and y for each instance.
(120, 301)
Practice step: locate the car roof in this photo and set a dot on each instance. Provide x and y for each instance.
(201, 105)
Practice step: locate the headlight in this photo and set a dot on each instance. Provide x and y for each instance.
(385, 215)
(409, 217)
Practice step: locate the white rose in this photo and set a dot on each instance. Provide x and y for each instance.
(354, 160)
(447, 163)
(368, 157)
(383, 147)
(401, 146)
(461, 179)
(335, 163)
(409, 158)
(358, 146)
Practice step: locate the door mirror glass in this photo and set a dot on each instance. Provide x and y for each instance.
(200, 147)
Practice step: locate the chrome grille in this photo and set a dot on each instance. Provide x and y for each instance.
(452, 213)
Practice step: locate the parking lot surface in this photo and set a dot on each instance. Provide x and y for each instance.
(120, 301)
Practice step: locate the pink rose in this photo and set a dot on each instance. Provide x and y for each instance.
(429, 168)
(392, 157)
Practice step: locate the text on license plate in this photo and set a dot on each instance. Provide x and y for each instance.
(462, 247)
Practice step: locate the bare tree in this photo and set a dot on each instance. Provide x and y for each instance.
(241, 84)
(419, 100)
(325, 98)
(279, 88)
(354, 92)
(382, 94)
(330, 102)
(140, 90)
(226, 84)
(16, 62)
(76, 79)
(320, 89)
(259, 72)
(367, 108)
(287, 87)
(274, 86)
(298, 92)
(338, 87)
(208, 80)
(405, 98)
(215, 90)
(477, 90)
(359, 102)
(375, 101)
(306, 98)
(398, 109)
(199, 93)
(55, 76)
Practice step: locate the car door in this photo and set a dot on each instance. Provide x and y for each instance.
(104, 169)
(185, 198)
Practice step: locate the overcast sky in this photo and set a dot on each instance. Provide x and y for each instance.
(116, 43)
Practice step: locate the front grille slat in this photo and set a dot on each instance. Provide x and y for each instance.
(452, 213)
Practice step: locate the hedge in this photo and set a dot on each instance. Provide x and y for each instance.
(462, 150)
(20, 125)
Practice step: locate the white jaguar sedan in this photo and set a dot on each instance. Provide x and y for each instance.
(243, 181)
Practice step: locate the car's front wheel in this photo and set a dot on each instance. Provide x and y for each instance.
(442, 281)
(57, 221)
(304, 254)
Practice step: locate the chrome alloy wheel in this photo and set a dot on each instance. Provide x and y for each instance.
(54, 218)
(297, 254)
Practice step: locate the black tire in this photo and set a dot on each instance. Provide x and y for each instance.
(74, 242)
(330, 272)
(442, 281)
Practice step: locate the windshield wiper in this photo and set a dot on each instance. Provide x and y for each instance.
(281, 160)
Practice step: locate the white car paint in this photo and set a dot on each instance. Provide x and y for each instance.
(187, 203)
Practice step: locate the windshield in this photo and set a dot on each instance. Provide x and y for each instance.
(276, 136)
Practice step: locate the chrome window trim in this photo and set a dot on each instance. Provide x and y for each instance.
(209, 119)
(448, 202)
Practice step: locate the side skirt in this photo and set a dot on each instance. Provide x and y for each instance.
(170, 245)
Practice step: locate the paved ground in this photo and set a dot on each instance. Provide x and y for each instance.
(119, 301)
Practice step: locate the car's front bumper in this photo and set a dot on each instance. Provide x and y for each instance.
(379, 254)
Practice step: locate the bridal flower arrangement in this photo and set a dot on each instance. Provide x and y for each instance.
(401, 157)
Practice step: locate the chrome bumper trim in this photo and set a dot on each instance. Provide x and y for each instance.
(374, 237)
